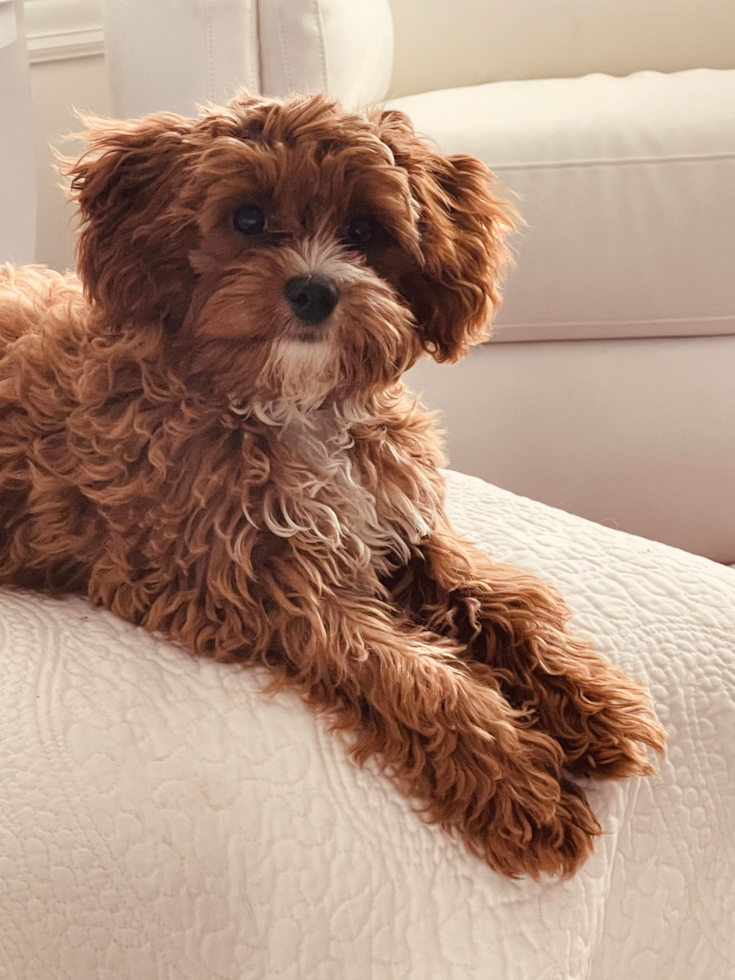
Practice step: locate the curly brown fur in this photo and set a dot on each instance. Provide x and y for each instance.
(244, 471)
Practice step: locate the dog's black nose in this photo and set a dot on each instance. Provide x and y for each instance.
(312, 298)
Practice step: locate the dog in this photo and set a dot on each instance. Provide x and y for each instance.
(207, 433)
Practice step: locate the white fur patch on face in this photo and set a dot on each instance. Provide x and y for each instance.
(321, 255)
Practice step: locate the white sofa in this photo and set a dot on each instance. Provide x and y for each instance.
(609, 389)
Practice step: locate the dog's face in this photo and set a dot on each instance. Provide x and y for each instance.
(290, 249)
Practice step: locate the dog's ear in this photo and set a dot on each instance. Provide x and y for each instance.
(463, 227)
(133, 243)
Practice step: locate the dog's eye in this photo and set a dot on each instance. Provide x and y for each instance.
(249, 219)
(364, 230)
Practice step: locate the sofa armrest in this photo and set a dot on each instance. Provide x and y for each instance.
(174, 55)
(342, 48)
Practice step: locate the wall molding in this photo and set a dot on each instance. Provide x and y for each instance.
(61, 30)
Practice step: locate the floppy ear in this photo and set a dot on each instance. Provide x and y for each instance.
(133, 245)
(462, 227)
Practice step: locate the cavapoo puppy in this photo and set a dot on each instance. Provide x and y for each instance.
(208, 435)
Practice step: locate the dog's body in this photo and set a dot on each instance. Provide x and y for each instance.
(214, 442)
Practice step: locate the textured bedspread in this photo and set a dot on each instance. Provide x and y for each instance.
(160, 819)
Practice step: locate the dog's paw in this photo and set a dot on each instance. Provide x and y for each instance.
(514, 808)
(516, 840)
(610, 742)
(599, 717)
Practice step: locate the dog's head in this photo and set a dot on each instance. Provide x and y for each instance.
(288, 247)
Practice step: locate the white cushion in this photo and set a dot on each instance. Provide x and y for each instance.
(628, 188)
(162, 819)
(442, 44)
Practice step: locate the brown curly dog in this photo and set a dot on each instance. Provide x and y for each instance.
(211, 439)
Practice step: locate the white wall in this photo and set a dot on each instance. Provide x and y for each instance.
(67, 72)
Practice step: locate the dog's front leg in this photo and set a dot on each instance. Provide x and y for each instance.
(514, 628)
(449, 742)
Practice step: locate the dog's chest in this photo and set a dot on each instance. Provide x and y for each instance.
(326, 503)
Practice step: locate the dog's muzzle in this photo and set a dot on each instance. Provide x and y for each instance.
(312, 298)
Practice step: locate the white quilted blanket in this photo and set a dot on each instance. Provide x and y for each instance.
(160, 819)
